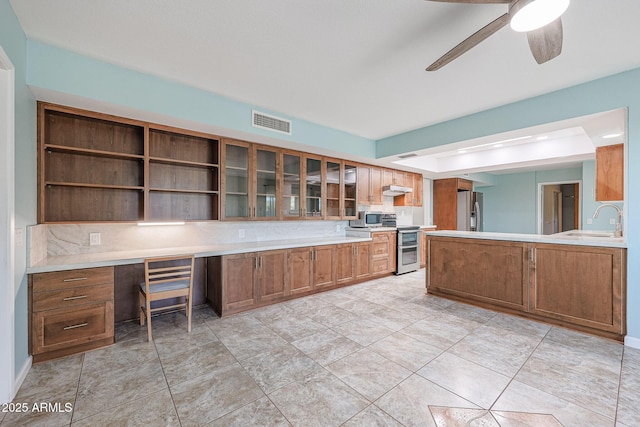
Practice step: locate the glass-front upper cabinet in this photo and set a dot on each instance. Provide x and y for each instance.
(350, 191)
(291, 191)
(266, 184)
(334, 189)
(236, 180)
(313, 188)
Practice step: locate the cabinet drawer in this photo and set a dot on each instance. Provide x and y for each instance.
(43, 282)
(382, 265)
(56, 329)
(380, 244)
(72, 297)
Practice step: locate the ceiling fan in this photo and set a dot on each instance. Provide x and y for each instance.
(540, 19)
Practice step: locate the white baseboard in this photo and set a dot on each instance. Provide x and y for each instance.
(21, 376)
(632, 342)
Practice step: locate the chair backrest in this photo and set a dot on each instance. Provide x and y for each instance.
(170, 269)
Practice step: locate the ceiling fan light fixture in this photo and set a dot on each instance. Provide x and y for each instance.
(529, 15)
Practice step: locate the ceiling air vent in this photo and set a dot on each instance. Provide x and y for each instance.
(276, 124)
(406, 156)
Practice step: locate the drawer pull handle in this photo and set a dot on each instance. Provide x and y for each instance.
(75, 279)
(73, 298)
(79, 325)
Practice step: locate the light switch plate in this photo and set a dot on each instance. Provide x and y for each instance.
(241, 233)
(94, 239)
(337, 228)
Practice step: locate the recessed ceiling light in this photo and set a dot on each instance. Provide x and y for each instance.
(542, 138)
(498, 145)
(462, 151)
(611, 135)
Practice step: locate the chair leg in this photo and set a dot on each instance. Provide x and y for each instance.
(148, 306)
(188, 314)
(141, 304)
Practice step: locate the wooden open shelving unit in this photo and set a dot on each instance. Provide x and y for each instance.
(95, 167)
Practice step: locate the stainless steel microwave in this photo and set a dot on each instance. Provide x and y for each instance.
(367, 219)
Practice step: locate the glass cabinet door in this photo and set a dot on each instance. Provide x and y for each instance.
(350, 188)
(313, 188)
(291, 186)
(265, 191)
(333, 189)
(236, 181)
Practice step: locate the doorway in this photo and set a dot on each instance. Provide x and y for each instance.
(7, 215)
(558, 207)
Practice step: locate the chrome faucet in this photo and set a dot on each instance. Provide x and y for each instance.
(618, 232)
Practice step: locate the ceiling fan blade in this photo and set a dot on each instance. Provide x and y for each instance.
(546, 42)
(470, 42)
(475, 1)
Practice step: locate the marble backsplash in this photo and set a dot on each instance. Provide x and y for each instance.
(69, 239)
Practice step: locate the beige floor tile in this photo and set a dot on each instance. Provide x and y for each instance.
(154, 410)
(260, 413)
(211, 395)
(462, 417)
(363, 332)
(292, 329)
(51, 380)
(331, 315)
(327, 347)
(321, 401)
(469, 380)
(170, 345)
(372, 416)
(274, 369)
(519, 397)
(119, 355)
(406, 351)
(183, 367)
(441, 330)
(629, 396)
(102, 390)
(368, 373)
(409, 401)
(518, 419)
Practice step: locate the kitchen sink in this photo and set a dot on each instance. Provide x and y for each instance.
(585, 234)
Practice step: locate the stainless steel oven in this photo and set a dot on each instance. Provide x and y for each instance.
(408, 249)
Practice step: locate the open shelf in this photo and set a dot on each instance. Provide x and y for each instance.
(185, 205)
(51, 148)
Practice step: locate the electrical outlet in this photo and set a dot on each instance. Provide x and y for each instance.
(241, 233)
(94, 239)
(337, 228)
(612, 221)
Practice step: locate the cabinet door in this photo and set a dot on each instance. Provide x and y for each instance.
(579, 284)
(423, 249)
(313, 189)
(387, 177)
(291, 191)
(334, 192)
(417, 189)
(345, 262)
(445, 202)
(400, 178)
(489, 271)
(235, 180)
(300, 266)
(238, 281)
(375, 186)
(610, 173)
(350, 191)
(266, 184)
(363, 260)
(272, 275)
(323, 266)
(364, 189)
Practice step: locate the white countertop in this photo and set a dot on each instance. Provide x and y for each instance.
(70, 262)
(584, 239)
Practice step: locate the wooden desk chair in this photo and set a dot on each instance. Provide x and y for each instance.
(166, 278)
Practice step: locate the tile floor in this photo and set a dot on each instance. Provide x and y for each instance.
(381, 353)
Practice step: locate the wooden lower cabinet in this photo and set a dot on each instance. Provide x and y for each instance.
(383, 252)
(300, 268)
(324, 272)
(490, 271)
(241, 281)
(362, 260)
(70, 311)
(345, 263)
(580, 287)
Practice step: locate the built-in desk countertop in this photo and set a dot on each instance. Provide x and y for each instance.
(71, 262)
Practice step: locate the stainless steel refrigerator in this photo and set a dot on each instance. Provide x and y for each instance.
(470, 216)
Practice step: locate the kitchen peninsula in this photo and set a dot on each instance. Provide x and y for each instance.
(574, 279)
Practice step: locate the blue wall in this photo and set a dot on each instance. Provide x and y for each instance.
(609, 93)
(14, 43)
(63, 71)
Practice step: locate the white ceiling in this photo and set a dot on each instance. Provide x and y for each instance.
(354, 65)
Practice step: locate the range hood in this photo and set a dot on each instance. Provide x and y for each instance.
(395, 190)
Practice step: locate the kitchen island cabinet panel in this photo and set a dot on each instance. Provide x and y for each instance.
(577, 284)
(491, 271)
